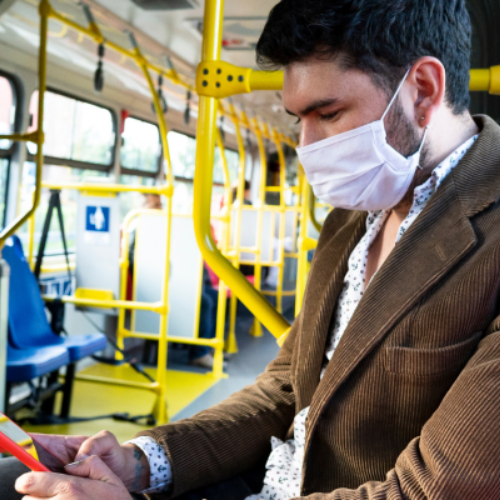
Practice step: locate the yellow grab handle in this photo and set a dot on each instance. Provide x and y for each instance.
(221, 79)
(486, 80)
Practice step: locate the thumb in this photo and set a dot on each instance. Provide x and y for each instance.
(93, 468)
(101, 444)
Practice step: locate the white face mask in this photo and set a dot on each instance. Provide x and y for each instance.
(358, 170)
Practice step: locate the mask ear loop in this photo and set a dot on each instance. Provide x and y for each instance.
(396, 94)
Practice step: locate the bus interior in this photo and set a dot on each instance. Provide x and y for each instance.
(154, 210)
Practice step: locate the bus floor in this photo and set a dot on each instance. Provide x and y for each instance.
(190, 390)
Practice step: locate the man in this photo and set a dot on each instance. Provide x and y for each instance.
(387, 386)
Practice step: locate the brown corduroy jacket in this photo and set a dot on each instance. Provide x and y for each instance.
(409, 406)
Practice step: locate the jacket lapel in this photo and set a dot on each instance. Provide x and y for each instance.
(436, 242)
(326, 280)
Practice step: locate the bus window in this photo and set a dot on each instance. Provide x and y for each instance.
(182, 153)
(7, 126)
(75, 131)
(79, 145)
(141, 149)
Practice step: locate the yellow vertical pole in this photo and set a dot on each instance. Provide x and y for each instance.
(302, 263)
(239, 210)
(44, 11)
(222, 303)
(282, 219)
(257, 328)
(207, 115)
(38, 136)
(160, 410)
(31, 236)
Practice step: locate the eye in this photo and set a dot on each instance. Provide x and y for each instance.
(329, 116)
(298, 121)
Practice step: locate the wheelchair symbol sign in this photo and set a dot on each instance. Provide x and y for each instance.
(97, 219)
(97, 225)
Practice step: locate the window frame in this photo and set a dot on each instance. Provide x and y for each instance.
(7, 154)
(135, 171)
(188, 179)
(84, 165)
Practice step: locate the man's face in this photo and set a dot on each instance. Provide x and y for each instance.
(330, 100)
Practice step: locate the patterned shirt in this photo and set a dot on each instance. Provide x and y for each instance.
(284, 466)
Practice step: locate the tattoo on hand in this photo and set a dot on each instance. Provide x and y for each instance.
(136, 485)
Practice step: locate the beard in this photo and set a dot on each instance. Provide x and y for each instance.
(406, 138)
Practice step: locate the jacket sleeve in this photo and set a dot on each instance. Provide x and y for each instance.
(233, 436)
(458, 452)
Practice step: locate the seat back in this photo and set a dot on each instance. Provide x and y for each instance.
(28, 324)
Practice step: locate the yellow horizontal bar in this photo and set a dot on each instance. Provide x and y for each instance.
(111, 188)
(486, 80)
(57, 269)
(152, 386)
(249, 250)
(285, 293)
(176, 340)
(156, 307)
(192, 341)
(266, 80)
(220, 79)
(31, 137)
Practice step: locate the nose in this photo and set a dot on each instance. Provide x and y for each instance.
(308, 133)
(305, 135)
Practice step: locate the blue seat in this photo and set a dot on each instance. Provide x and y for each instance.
(28, 324)
(26, 364)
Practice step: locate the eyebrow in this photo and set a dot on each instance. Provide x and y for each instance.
(315, 106)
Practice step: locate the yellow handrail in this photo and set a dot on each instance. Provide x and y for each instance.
(38, 136)
(230, 345)
(93, 32)
(208, 107)
(219, 79)
(312, 210)
(240, 195)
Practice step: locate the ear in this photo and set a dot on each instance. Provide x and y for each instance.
(428, 78)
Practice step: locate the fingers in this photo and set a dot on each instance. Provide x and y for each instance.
(93, 468)
(47, 485)
(42, 484)
(101, 444)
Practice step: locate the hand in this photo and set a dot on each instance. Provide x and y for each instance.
(126, 461)
(89, 479)
(65, 448)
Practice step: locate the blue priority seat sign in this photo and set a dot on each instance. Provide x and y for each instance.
(97, 225)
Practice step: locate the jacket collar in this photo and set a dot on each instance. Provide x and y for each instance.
(440, 237)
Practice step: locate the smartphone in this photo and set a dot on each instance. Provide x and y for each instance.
(25, 448)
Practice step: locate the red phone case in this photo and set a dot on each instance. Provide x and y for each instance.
(14, 449)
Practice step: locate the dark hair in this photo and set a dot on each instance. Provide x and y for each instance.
(383, 38)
